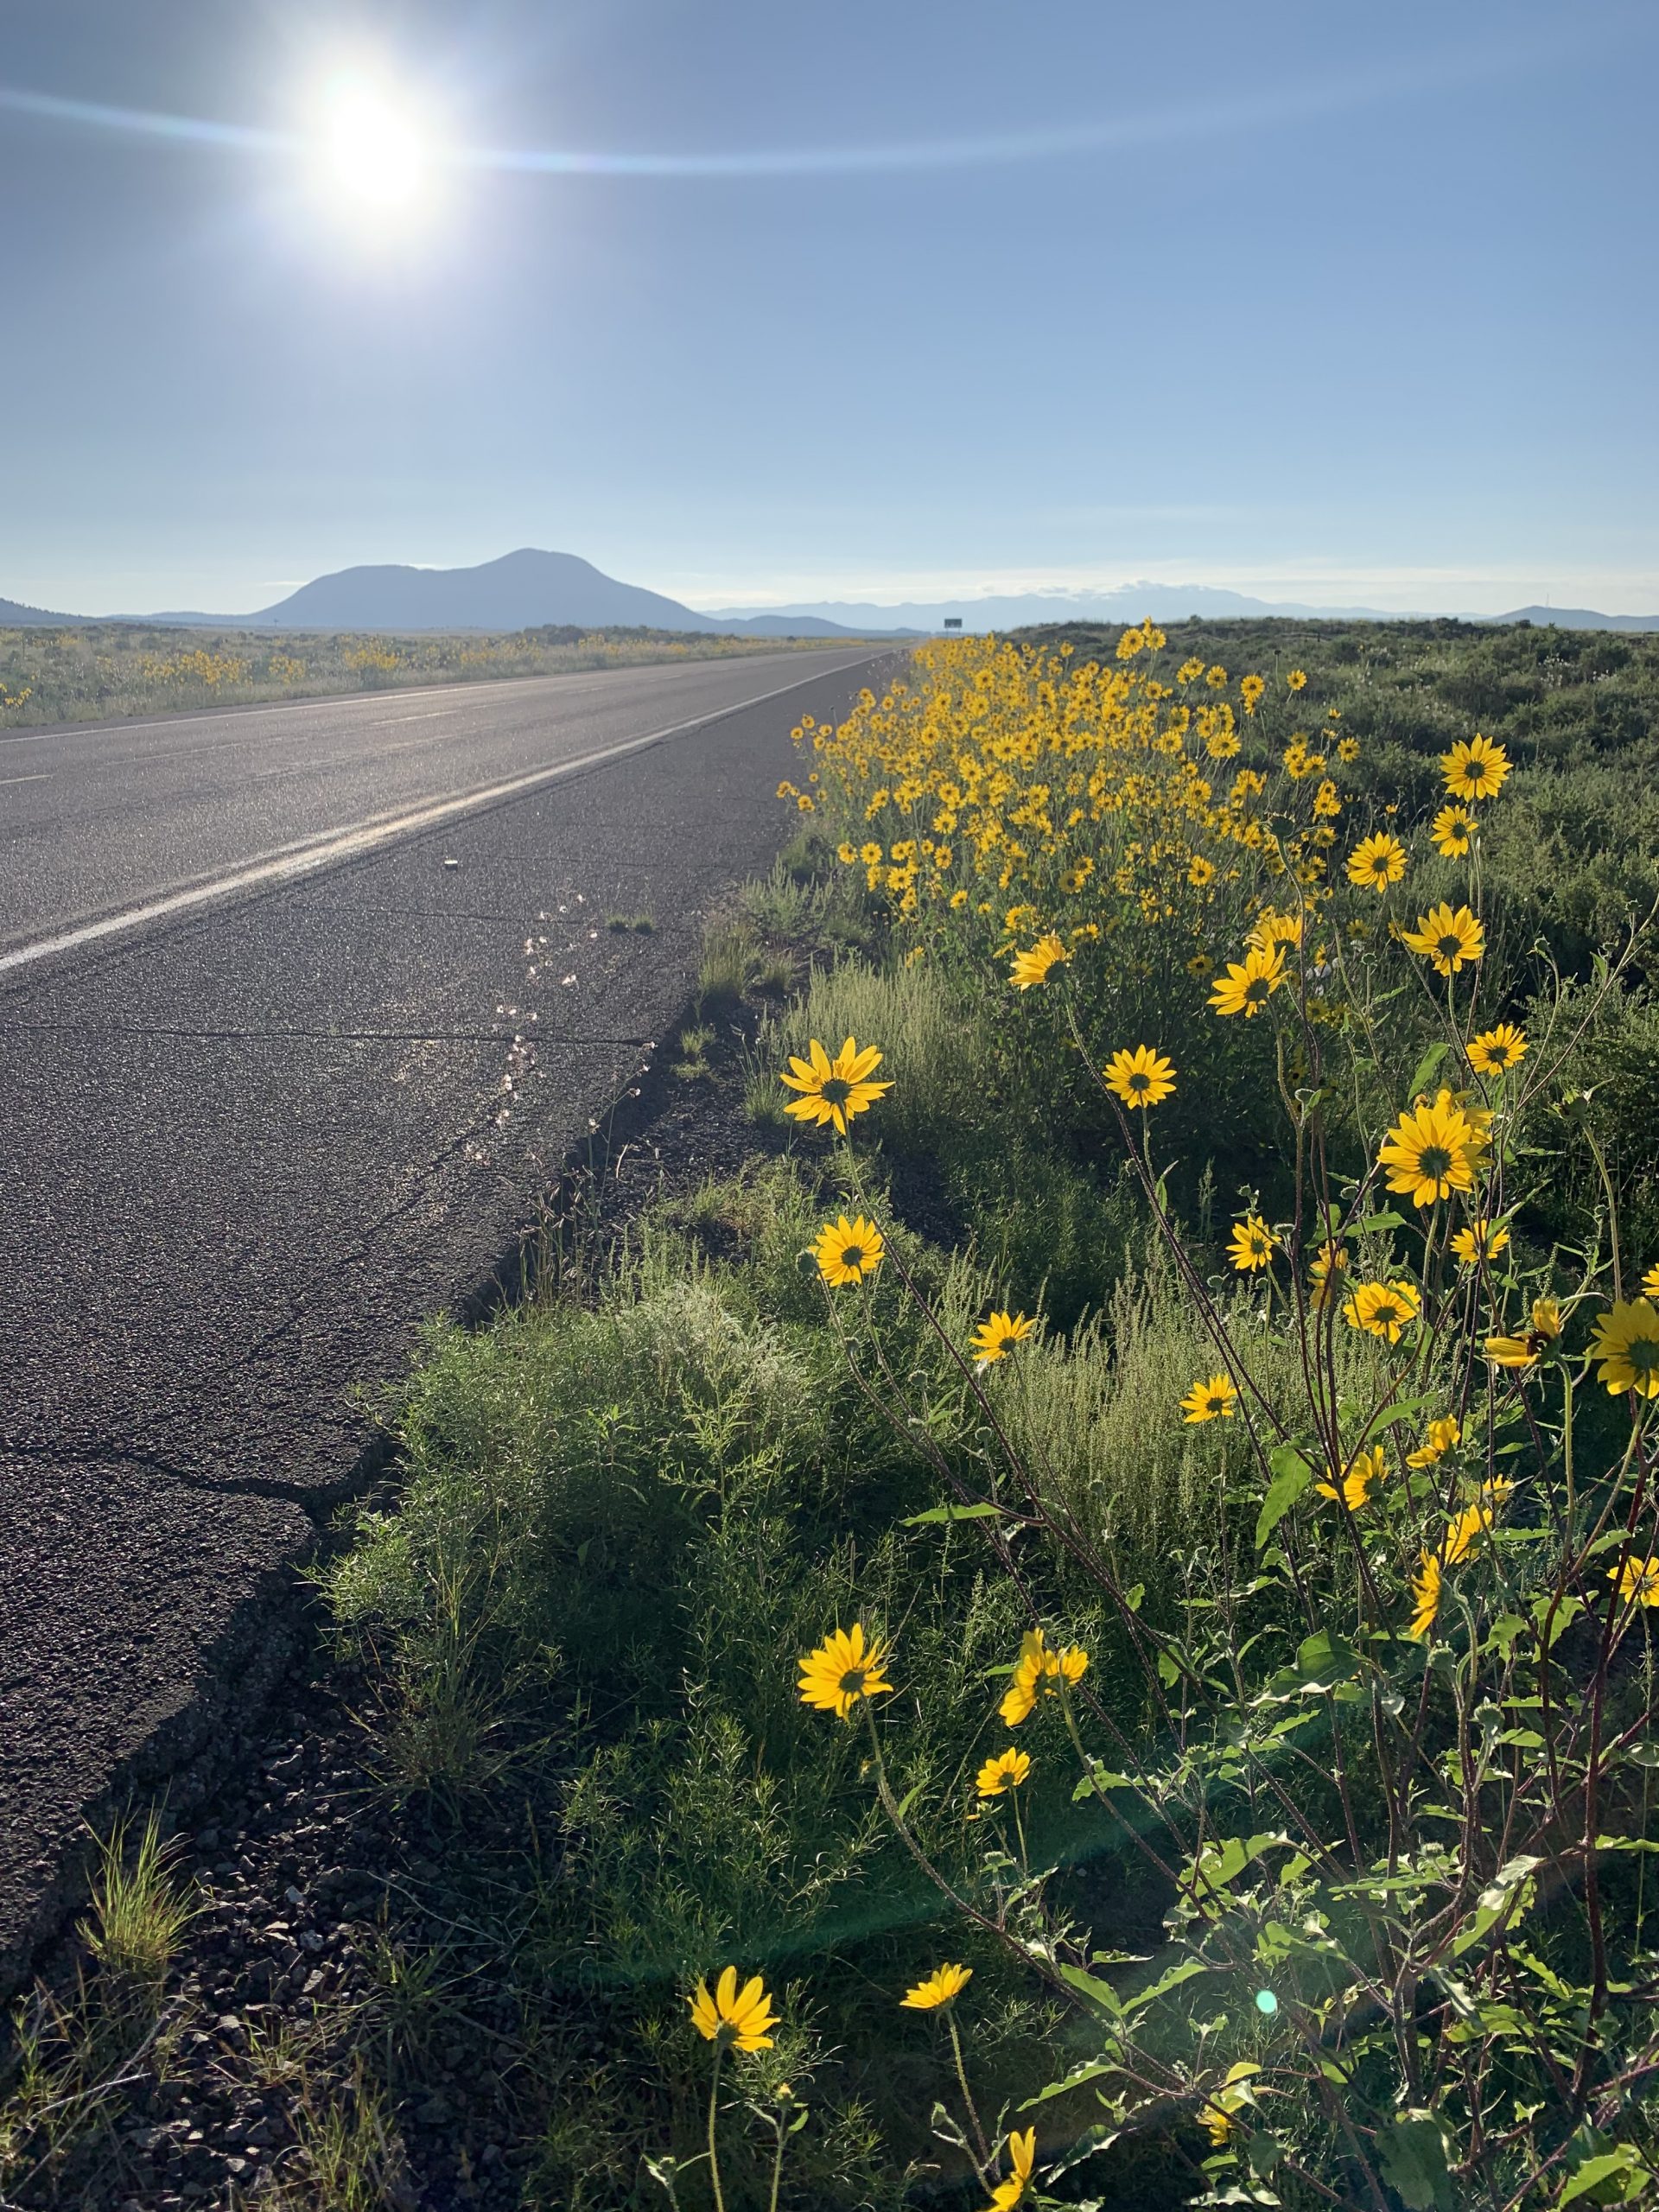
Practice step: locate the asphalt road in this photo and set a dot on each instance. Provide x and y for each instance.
(260, 972)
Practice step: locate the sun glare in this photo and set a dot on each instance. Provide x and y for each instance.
(376, 151)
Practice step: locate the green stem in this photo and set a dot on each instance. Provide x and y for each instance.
(778, 2166)
(984, 2160)
(713, 2107)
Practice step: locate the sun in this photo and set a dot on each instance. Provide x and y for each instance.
(377, 152)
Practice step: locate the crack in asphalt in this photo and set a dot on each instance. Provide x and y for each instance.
(106, 1451)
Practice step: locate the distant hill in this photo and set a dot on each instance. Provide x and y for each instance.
(520, 591)
(1016, 610)
(16, 617)
(1576, 618)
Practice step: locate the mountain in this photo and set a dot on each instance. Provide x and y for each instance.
(16, 617)
(1574, 617)
(1015, 610)
(520, 591)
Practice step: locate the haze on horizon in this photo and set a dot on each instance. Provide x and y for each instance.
(756, 307)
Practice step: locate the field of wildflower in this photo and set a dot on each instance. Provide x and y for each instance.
(108, 669)
(1080, 1631)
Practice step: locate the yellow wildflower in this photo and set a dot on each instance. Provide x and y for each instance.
(1446, 938)
(1032, 967)
(1475, 770)
(843, 1672)
(1442, 1436)
(1383, 1309)
(1431, 1151)
(1248, 985)
(847, 1252)
(1006, 1771)
(1039, 1671)
(1141, 1077)
(1252, 1245)
(943, 1986)
(1626, 1342)
(1217, 1399)
(995, 1339)
(731, 2016)
(834, 1090)
(1496, 1051)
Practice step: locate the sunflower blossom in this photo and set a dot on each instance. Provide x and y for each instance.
(1216, 1399)
(995, 1339)
(1447, 939)
(1365, 1469)
(1426, 1598)
(843, 1671)
(1032, 967)
(1022, 2151)
(1431, 1151)
(1479, 1240)
(1626, 1342)
(942, 1987)
(731, 2016)
(1376, 862)
(1141, 1077)
(834, 1090)
(1443, 1435)
(1006, 1771)
(1452, 830)
(1248, 984)
(847, 1252)
(1637, 1579)
(1252, 1244)
(1039, 1671)
(1496, 1051)
(1526, 1352)
(1475, 770)
(1382, 1309)
(1463, 1530)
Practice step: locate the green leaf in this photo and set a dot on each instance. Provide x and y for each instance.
(1388, 1219)
(1323, 1660)
(1500, 1637)
(1099, 1778)
(1098, 1992)
(1292, 1471)
(952, 1513)
(1185, 1972)
(1426, 1068)
(1413, 2155)
(1623, 2167)
(1402, 1409)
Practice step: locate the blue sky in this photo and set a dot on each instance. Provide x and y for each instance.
(1326, 302)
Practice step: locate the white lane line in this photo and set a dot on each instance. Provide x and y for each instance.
(44, 777)
(362, 836)
(574, 678)
(431, 715)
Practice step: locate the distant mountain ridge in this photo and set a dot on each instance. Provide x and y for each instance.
(14, 616)
(529, 589)
(1162, 602)
(520, 591)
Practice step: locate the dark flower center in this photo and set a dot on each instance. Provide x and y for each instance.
(836, 1090)
(1434, 1160)
(1256, 990)
(1138, 1081)
(1644, 1355)
(852, 1682)
(852, 1257)
(1449, 946)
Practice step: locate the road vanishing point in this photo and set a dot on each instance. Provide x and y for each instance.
(261, 971)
